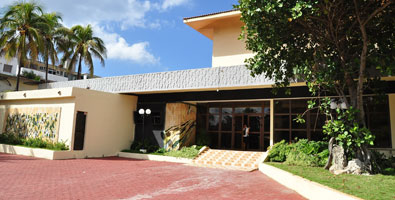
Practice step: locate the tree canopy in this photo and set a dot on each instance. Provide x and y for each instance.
(336, 46)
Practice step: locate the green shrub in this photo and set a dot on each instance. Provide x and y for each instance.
(279, 152)
(10, 138)
(45, 144)
(31, 75)
(137, 145)
(308, 153)
(302, 153)
(184, 152)
(385, 163)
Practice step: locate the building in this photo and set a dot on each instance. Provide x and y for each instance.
(9, 71)
(215, 102)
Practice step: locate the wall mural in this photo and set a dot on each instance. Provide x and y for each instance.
(180, 126)
(180, 135)
(33, 122)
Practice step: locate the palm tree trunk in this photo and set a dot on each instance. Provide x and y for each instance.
(19, 73)
(20, 62)
(46, 68)
(79, 68)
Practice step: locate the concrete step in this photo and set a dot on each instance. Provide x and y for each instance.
(229, 159)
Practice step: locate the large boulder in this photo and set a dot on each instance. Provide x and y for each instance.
(339, 161)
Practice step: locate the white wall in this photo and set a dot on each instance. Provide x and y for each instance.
(13, 62)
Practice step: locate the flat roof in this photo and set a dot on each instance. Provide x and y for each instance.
(210, 14)
(204, 23)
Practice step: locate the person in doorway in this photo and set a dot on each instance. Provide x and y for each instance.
(246, 134)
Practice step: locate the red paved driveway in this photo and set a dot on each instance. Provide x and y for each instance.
(116, 178)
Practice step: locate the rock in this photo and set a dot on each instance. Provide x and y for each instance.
(339, 160)
(355, 166)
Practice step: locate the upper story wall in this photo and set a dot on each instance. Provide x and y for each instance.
(228, 50)
(224, 30)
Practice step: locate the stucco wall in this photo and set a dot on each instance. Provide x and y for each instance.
(109, 121)
(66, 114)
(228, 50)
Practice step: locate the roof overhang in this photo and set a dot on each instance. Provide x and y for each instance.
(204, 23)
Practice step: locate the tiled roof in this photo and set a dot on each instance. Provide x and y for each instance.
(205, 15)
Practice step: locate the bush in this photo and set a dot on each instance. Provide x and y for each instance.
(137, 145)
(184, 152)
(302, 153)
(12, 139)
(385, 163)
(45, 144)
(31, 75)
(279, 152)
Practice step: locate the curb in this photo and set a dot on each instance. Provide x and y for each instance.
(306, 188)
(140, 156)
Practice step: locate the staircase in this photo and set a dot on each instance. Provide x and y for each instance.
(228, 159)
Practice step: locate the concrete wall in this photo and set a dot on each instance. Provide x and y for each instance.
(10, 84)
(223, 78)
(228, 50)
(109, 122)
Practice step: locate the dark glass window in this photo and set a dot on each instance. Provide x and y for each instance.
(7, 68)
(226, 123)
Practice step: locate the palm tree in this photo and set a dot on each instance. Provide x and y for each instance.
(20, 34)
(83, 46)
(51, 35)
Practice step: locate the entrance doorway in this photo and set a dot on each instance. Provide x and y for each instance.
(223, 122)
(79, 133)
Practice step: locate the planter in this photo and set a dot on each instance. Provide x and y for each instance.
(36, 152)
(154, 157)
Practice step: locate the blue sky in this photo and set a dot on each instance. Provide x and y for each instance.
(143, 36)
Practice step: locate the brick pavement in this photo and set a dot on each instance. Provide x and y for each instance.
(118, 178)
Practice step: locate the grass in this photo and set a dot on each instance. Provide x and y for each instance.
(378, 186)
(185, 152)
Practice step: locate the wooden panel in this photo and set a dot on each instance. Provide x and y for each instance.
(177, 116)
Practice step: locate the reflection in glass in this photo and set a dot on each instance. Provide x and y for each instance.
(248, 110)
(255, 123)
(213, 110)
(226, 123)
(226, 110)
(213, 122)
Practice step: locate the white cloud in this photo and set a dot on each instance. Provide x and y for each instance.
(105, 15)
(173, 3)
(118, 48)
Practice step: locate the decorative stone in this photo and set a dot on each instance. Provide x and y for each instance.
(339, 161)
(354, 166)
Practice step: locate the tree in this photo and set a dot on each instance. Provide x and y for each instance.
(340, 47)
(51, 34)
(82, 45)
(20, 34)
